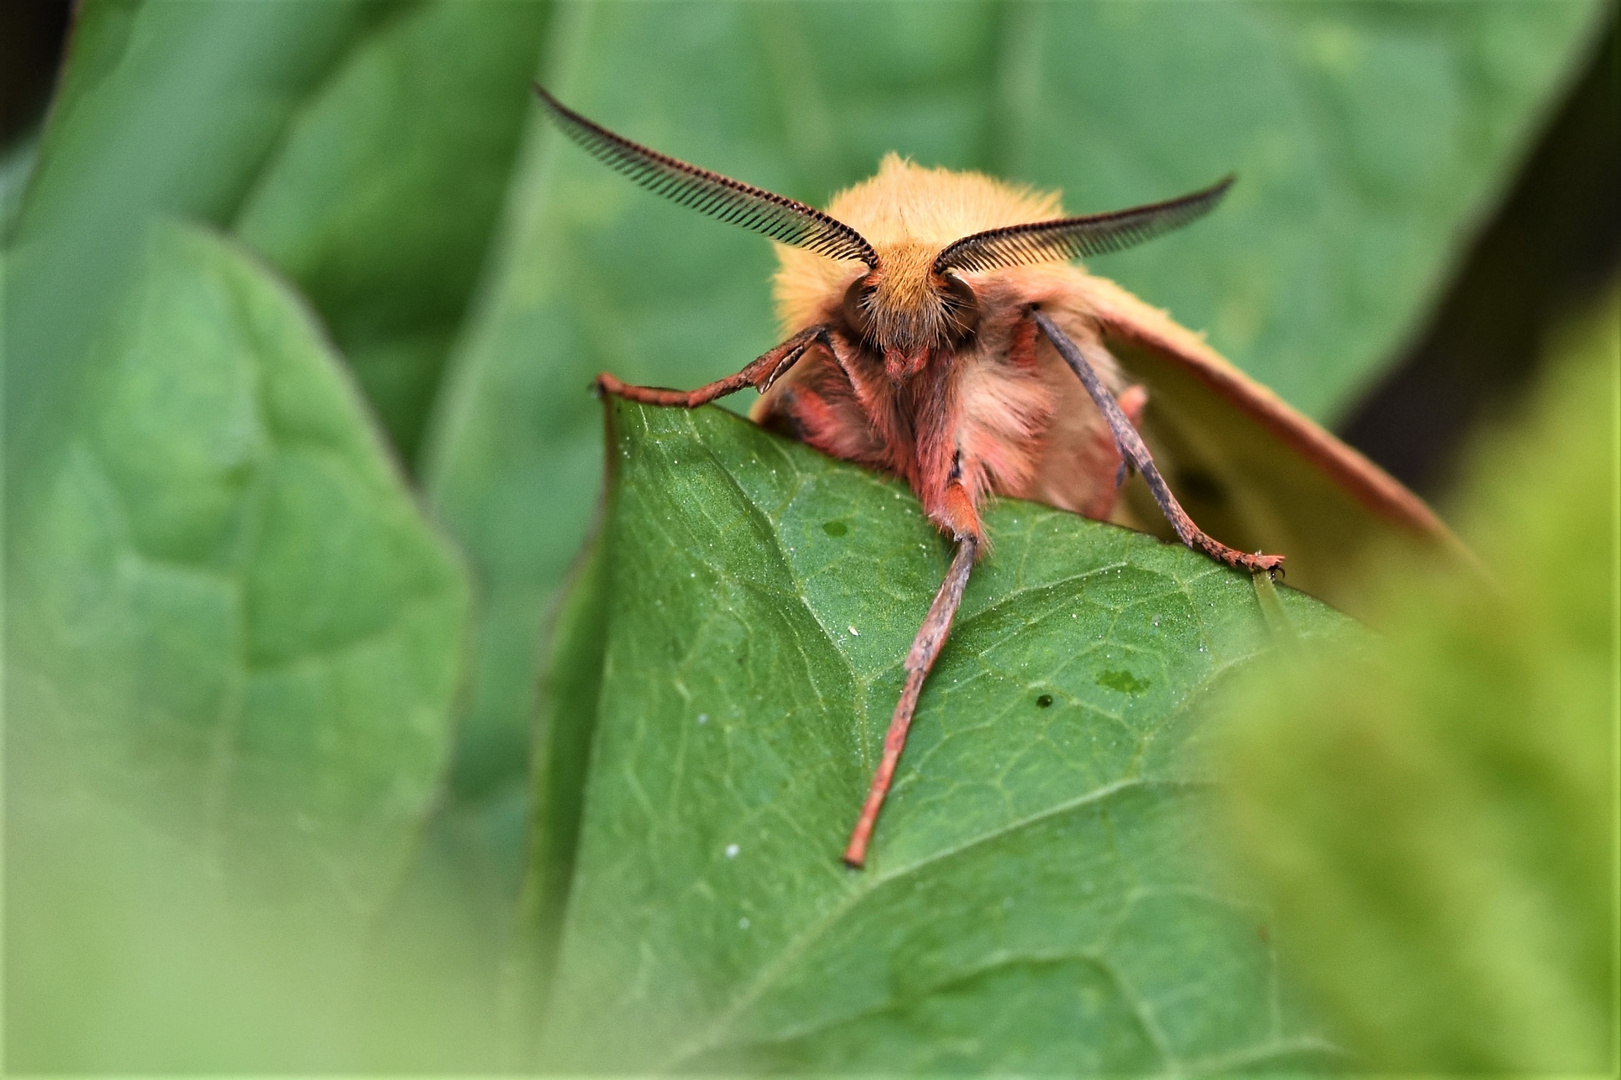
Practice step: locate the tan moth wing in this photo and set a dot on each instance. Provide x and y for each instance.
(1248, 466)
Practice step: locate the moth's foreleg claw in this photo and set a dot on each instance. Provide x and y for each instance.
(1271, 565)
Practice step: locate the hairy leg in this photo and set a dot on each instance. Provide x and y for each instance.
(931, 637)
(760, 374)
(1135, 454)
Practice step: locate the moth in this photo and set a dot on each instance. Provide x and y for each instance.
(938, 330)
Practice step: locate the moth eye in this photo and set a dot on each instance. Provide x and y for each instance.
(855, 306)
(962, 306)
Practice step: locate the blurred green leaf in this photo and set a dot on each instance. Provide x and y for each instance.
(128, 953)
(383, 193)
(363, 148)
(1369, 139)
(1438, 830)
(161, 108)
(228, 605)
(381, 202)
(1034, 900)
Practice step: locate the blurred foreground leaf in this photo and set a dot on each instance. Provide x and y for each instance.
(228, 614)
(1034, 900)
(1438, 830)
(129, 954)
(1369, 139)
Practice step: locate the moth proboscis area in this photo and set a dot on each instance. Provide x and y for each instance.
(937, 329)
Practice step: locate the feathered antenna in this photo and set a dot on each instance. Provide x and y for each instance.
(781, 218)
(1071, 238)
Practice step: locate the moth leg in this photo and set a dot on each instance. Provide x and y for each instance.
(1112, 468)
(931, 636)
(760, 374)
(1135, 454)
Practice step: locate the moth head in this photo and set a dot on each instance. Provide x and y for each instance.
(916, 300)
(908, 311)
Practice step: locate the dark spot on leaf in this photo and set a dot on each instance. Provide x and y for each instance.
(1044, 701)
(1123, 681)
(835, 528)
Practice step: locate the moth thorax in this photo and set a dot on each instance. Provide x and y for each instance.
(911, 311)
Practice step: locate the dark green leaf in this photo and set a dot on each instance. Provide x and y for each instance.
(228, 606)
(163, 108)
(364, 148)
(383, 193)
(1368, 141)
(1035, 899)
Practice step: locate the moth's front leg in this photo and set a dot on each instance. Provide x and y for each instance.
(1135, 453)
(931, 638)
(1109, 470)
(760, 374)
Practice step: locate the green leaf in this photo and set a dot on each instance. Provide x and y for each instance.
(565, 730)
(383, 194)
(1438, 828)
(228, 609)
(363, 148)
(380, 204)
(1369, 142)
(1034, 900)
(162, 108)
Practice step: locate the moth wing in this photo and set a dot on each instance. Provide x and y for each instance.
(1251, 470)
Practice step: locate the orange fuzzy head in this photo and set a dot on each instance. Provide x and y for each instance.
(906, 307)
